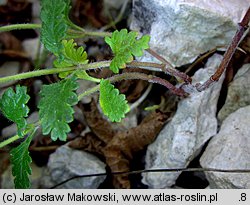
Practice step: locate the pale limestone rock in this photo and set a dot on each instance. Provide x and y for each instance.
(7, 179)
(7, 69)
(66, 163)
(238, 93)
(181, 30)
(230, 149)
(113, 4)
(183, 137)
(3, 2)
(31, 47)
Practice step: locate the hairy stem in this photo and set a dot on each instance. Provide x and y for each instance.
(48, 71)
(19, 27)
(89, 92)
(97, 33)
(243, 25)
(80, 32)
(101, 64)
(135, 75)
(31, 129)
(168, 68)
(8, 141)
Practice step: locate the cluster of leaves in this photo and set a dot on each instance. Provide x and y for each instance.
(55, 108)
(54, 17)
(71, 56)
(113, 104)
(20, 159)
(57, 100)
(13, 105)
(125, 45)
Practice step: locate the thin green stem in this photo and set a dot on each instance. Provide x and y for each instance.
(90, 78)
(19, 27)
(75, 36)
(78, 28)
(32, 128)
(8, 141)
(97, 33)
(118, 18)
(101, 64)
(80, 31)
(48, 71)
(89, 92)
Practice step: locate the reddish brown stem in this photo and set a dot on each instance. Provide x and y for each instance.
(172, 88)
(149, 78)
(168, 68)
(243, 25)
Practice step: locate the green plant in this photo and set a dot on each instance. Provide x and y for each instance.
(55, 106)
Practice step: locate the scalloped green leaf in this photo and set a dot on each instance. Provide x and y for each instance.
(21, 160)
(72, 56)
(75, 56)
(113, 104)
(13, 105)
(124, 46)
(55, 107)
(54, 17)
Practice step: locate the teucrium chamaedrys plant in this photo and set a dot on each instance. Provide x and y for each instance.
(57, 99)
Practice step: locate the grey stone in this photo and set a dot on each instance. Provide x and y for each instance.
(130, 121)
(66, 163)
(238, 93)
(37, 86)
(78, 115)
(36, 9)
(7, 69)
(183, 29)
(83, 86)
(183, 137)
(111, 4)
(230, 149)
(31, 47)
(3, 2)
(7, 181)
